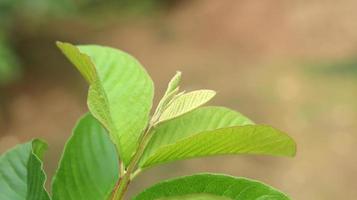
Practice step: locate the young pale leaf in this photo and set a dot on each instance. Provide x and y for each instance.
(211, 187)
(186, 103)
(89, 166)
(120, 94)
(197, 121)
(21, 172)
(171, 91)
(174, 83)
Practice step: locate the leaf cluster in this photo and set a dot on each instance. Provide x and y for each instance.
(120, 138)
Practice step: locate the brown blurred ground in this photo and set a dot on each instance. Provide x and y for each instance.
(279, 62)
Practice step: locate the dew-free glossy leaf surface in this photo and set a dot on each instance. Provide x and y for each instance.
(249, 139)
(88, 168)
(200, 120)
(120, 94)
(186, 103)
(211, 187)
(21, 172)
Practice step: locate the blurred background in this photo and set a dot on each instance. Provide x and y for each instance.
(291, 64)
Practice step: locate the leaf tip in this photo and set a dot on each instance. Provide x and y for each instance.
(211, 93)
(60, 44)
(39, 147)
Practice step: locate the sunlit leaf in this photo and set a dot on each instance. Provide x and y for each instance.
(120, 94)
(249, 139)
(198, 121)
(210, 131)
(174, 83)
(21, 172)
(89, 166)
(186, 103)
(171, 91)
(211, 187)
(81, 61)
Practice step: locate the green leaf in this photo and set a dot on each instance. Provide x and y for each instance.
(249, 139)
(88, 168)
(200, 120)
(120, 94)
(211, 187)
(81, 61)
(212, 131)
(171, 92)
(174, 83)
(21, 172)
(186, 103)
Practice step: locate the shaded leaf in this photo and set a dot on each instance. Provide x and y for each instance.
(88, 169)
(211, 187)
(200, 120)
(21, 172)
(120, 94)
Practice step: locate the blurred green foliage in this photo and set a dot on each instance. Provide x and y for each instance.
(9, 64)
(36, 11)
(346, 67)
(10, 11)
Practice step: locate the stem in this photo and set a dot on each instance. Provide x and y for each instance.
(124, 181)
(120, 188)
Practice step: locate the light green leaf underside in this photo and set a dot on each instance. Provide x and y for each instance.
(21, 172)
(88, 169)
(186, 103)
(197, 121)
(211, 187)
(120, 94)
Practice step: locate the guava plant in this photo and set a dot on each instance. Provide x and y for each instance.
(119, 139)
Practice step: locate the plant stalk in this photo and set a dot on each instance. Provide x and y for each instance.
(123, 183)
